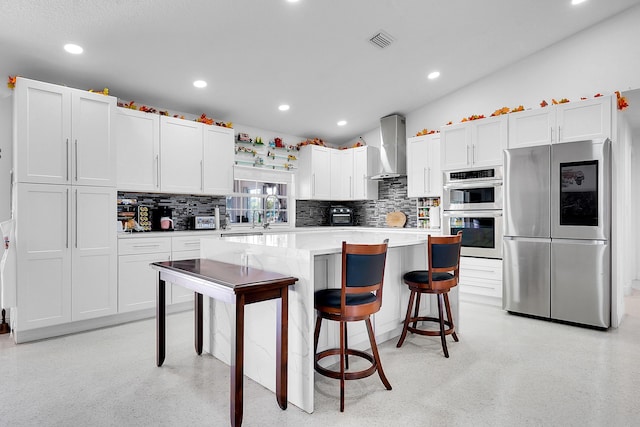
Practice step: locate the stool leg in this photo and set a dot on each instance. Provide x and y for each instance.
(450, 317)
(415, 313)
(407, 319)
(342, 334)
(441, 317)
(316, 335)
(346, 346)
(376, 355)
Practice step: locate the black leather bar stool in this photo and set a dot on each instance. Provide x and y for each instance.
(443, 274)
(358, 298)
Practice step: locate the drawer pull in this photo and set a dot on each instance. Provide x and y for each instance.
(156, 245)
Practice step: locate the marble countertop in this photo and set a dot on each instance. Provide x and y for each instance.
(246, 230)
(328, 240)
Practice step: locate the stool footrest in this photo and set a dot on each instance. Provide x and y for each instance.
(355, 375)
(428, 332)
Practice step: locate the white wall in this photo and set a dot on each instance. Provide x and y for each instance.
(6, 161)
(604, 58)
(635, 196)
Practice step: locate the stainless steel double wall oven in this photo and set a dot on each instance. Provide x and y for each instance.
(472, 203)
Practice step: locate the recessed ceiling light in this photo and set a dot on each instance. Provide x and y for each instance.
(200, 83)
(342, 122)
(575, 2)
(433, 75)
(283, 107)
(73, 48)
(292, 1)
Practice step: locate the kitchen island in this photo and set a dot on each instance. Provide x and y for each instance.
(314, 257)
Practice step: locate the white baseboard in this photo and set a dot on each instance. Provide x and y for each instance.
(90, 324)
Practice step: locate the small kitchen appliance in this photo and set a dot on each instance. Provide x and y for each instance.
(340, 215)
(202, 222)
(162, 219)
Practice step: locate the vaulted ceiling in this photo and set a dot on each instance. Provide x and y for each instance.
(313, 55)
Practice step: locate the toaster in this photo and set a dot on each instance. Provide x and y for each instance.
(203, 223)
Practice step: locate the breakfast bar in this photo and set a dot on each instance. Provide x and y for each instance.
(234, 285)
(314, 257)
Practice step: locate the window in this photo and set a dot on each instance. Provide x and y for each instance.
(256, 202)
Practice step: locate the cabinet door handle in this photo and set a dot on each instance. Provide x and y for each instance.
(76, 219)
(66, 228)
(550, 133)
(76, 162)
(351, 187)
(559, 133)
(429, 179)
(67, 166)
(467, 154)
(202, 175)
(11, 192)
(473, 153)
(156, 184)
(313, 184)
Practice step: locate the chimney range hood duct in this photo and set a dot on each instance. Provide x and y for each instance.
(393, 135)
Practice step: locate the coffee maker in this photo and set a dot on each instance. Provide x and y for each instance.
(162, 219)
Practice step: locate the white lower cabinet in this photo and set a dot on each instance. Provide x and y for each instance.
(184, 247)
(136, 279)
(481, 279)
(66, 249)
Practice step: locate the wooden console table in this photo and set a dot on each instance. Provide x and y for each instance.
(236, 285)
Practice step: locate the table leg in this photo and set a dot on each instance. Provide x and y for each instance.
(282, 340)
(197, 302)
(160, 322)
(237, 360)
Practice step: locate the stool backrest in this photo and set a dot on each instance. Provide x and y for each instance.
(363, 273)
(444, 257)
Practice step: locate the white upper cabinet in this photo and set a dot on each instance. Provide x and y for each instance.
(424, 178)
(137, 136)
(365, 164)
(532, 127)
(181, 164)
(341, 174)
(489, 139)
(583, 120)
(195, 158)
(571, 121)
(218, 154)
(314, 173)
(63, 135)
(329, 174)
(476, 143)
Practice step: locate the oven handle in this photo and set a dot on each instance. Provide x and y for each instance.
(475, 184)
(475, 214)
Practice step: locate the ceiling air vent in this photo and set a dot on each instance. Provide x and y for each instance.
(381, 39)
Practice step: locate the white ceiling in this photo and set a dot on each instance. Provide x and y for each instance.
(257, 54)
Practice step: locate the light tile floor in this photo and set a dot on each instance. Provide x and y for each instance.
(505, 371)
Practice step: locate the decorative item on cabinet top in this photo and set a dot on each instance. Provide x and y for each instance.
(254, 152)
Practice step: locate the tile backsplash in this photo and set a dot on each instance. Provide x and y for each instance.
(183, 206)
(392, 196)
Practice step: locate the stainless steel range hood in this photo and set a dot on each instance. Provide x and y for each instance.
(393, 135)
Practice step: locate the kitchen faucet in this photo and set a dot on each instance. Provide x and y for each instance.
(266, 200)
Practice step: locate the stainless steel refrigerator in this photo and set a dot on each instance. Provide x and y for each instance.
(556, 249)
